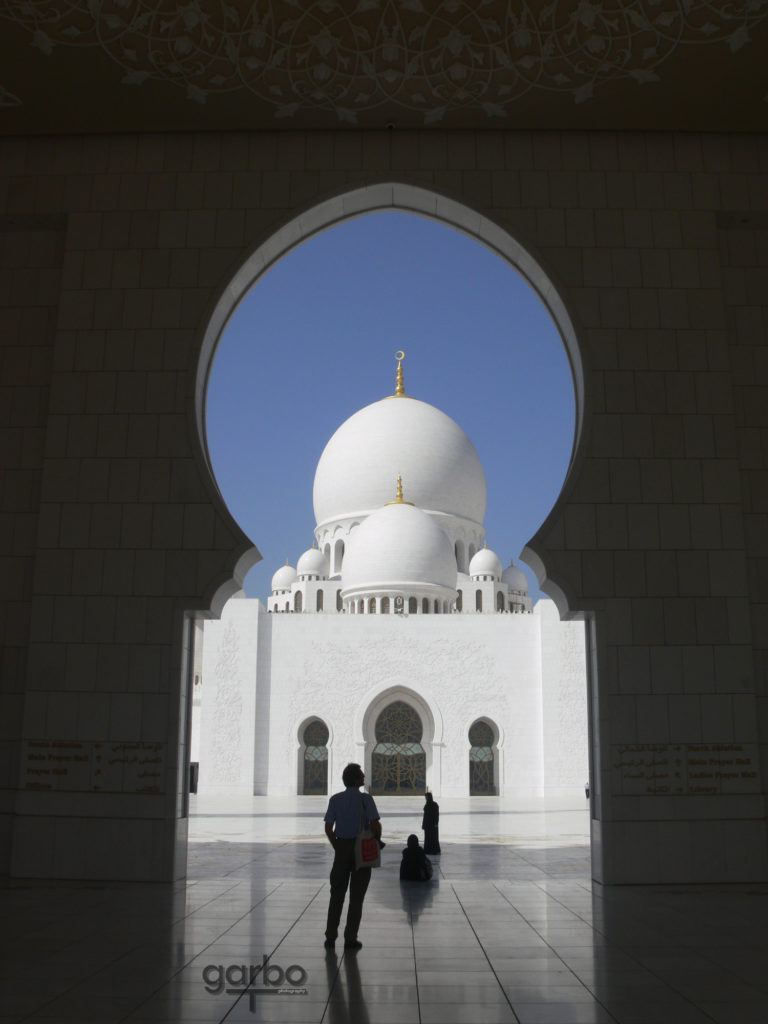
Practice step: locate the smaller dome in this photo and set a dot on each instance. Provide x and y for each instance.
(313, 563)
(284, 577)
(399, 545)
(485, 563)
(515, 578)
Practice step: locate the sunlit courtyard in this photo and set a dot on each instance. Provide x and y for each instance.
(532, 823)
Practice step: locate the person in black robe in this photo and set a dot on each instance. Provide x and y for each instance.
(415, 865)
(429, 824)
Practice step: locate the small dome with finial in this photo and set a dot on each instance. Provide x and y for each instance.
(515, 578)
(399, 546)
(485, 563)
(312, 563)
(284, 578)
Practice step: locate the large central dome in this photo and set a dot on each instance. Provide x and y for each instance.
(439, 466)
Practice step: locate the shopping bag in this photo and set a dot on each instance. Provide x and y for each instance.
(367, 853)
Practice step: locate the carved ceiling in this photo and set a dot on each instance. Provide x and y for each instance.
(127, 65)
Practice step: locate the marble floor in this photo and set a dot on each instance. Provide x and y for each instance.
(510, 929)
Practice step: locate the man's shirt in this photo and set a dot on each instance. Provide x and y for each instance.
(349, 811)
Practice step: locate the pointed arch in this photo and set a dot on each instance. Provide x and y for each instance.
(314, 736)
(483, 737)
(388, 195)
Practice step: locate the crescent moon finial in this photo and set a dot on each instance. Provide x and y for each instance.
(399, 389)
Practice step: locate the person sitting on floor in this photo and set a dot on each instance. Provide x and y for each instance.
(415, 865)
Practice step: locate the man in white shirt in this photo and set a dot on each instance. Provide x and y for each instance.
(347, 813)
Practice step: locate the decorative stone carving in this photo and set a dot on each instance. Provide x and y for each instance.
(408, 54)
(227, 708)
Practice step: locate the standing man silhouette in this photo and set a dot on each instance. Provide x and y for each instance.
(347, 812)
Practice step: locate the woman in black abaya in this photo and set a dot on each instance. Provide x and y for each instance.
(429, 824)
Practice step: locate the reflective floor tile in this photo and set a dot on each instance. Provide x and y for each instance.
(440, 1013)
(562, 1013)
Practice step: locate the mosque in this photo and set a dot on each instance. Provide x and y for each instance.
(156, 160)
(617, 160)
(397, 641)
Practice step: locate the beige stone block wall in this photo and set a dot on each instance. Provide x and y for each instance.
(114, 254)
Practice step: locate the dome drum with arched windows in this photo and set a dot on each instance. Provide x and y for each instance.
(386, 554)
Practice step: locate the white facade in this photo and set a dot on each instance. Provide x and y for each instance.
(399, 603)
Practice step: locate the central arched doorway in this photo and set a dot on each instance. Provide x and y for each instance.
(398, 761)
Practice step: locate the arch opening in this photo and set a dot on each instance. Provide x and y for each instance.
(440, 209)
(313, 758)
(407, 199)
(483, 773)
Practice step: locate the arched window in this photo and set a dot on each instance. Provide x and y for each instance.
(371, 605)
(319, 602)
(385, 606)
(437, 606)
(499, 602)
(327, 553)
(298, 603)
(398, 762)
(360, 606)
(478, 600)
(481, 760)
(460, 563)
(413, 605)
(425, 606)
(338, 601)
(338, 556)
(315, 774)
(287, 606)
(459, 601)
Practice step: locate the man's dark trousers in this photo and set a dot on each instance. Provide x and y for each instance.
(343, 874)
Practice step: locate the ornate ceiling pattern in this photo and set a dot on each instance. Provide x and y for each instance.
(411, 57)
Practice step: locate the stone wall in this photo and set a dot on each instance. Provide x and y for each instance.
(116, 252)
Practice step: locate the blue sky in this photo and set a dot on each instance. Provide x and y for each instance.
(314, 341)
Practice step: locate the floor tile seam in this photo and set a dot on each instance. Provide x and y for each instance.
(625, 952)
(201, 952)
(214, 899)
(593, 927)
(234, 924)
(270, 955)
(469, 922)
(678, 913)
(758, 950)
(565, 965)
(102, 967)
(413, 950)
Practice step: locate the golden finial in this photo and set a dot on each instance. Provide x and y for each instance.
(287, 562)
(399, 499)
(399, 389)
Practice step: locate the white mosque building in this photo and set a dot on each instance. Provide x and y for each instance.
(398, 641)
